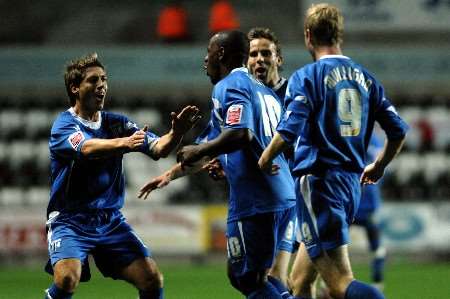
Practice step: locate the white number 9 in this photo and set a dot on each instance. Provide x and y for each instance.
(349, 111)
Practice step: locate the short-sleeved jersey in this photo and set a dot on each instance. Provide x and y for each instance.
(333, 105)
(79, 183)
(240, 101)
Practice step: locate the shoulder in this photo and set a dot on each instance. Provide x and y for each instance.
(112, 116)
(305, 71)
(237, 79)
(63, 119)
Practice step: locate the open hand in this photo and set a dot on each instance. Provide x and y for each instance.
(185, 120)
(155, 183)
(215, 169)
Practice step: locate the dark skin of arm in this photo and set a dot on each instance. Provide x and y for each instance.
(228, 141)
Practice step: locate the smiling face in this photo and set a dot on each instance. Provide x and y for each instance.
(263, 61)
(92, 89)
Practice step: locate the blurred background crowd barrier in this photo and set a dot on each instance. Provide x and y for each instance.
(406, 44)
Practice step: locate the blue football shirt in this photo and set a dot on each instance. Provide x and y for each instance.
(79, 183)
(333, 104)
(240, 101)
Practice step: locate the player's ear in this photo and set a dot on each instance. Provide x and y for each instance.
(221, 53)
(307, 34)
(74, 89)
(279, 60)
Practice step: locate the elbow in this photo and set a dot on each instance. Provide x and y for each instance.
(161, 152)
(245, 137)
(86, 151)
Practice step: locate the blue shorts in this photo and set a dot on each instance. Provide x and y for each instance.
(253, 242)
(103, 234)
(326, 204)
(288, 239)
(370, 202)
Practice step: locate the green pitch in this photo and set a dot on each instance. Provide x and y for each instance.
(208, 281)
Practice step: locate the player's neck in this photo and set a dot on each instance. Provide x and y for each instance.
(86, 115)
(322, 51)
(274, 80)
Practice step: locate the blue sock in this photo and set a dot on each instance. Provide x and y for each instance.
(358, 290)
(53, 292)
(377, 269)
(267, 291)
(281, 288)
(154, 294)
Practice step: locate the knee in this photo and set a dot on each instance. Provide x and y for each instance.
(152, 281)
(249, 282)
(338, 287)
(67, 280)
(302, 284)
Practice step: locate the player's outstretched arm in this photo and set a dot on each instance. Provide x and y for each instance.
(173, 173)
(374, 171)
(96, 147)
(181, 123)
(276, 146)
(228, 141)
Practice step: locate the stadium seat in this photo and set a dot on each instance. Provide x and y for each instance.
(11, 196)
(38, 196)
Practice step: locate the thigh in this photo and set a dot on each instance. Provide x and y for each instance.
(67, 241)
(143, 273)
(123, 246)
(251, 244)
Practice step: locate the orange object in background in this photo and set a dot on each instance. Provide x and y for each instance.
(172, 23)
(222, 17)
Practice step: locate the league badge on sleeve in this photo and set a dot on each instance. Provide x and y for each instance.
(234, 114)
(75, 139)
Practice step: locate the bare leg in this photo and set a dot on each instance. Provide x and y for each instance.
(335, 269)
(67, 273)
(144, 274)
(280, 266)
(303, 275)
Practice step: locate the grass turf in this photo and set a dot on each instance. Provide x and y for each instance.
(208, 281)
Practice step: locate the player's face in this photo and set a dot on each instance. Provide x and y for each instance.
(92, 90)
(263, 61)
(212, 62)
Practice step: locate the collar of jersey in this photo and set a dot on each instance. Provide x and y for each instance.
(334, 56)
(95, 125)
(240, 69)
(279, 84)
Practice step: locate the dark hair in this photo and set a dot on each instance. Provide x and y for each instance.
(236, 46)
(261, 32)
(76, 71)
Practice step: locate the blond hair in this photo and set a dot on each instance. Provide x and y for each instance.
(325, 24)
